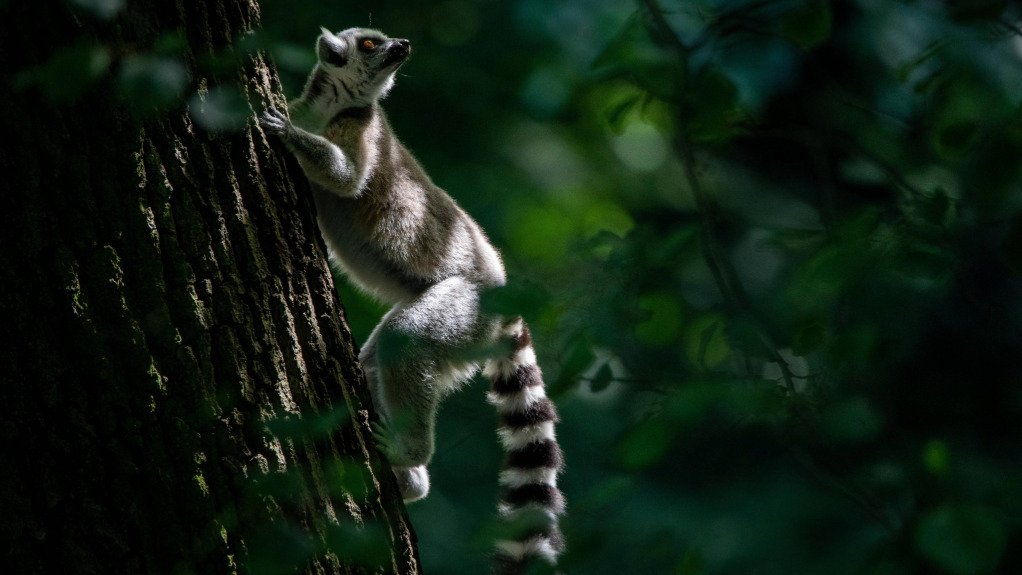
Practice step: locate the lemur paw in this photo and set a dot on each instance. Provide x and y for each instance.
(275, 122)
(413, 482)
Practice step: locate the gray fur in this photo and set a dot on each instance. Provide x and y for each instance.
(404, 240)
(396, 234)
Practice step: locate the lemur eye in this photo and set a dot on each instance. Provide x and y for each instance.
(368, 44)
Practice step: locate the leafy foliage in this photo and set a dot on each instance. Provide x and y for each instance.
(770, 250)
(768, 247)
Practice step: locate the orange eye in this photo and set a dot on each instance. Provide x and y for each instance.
(368, 44)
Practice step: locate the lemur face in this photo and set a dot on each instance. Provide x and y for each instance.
(363, 60)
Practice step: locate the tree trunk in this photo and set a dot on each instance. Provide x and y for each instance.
(182, 393)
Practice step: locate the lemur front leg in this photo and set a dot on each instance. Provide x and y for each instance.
(322, 161)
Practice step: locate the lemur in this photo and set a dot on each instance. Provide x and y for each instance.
(401, 238)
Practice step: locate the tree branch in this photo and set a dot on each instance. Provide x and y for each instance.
(724, 274)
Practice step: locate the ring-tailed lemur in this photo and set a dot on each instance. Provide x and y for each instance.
(403, 239)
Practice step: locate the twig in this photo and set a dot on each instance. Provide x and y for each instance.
(724, 274)
(876, 511)
(730, 286)
(1011, 27)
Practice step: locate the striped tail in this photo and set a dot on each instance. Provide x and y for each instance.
(530, 501)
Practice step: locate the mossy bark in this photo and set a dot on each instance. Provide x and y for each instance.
(180, 392)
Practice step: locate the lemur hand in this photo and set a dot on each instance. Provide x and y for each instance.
(276, 123)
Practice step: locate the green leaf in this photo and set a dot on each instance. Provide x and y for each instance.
(222, 108)
(797, 239)
(311, 425)
(105, 9)
(808, 337)
(935, 209)
(576, 358)
(366, 545)
(692, 402)
(990, 176)
(150, 83)
(752, 402)
(646, 444)
(346, 476)
(809, 25)
(936, 457)
(693, 563)
(954, 139)
(906, 69)
(663, 319)
(634, 55)
(603, 216)
(715, 110)
(69, 72)
(519, 297)
(706, 343)
(851, 421)
(962, 539)
(618, 113)
(977, 9)
(542, 233)
(641, 147)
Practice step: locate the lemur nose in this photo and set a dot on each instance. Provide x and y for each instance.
(404, 43)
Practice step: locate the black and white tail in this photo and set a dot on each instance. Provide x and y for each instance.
(530, 501)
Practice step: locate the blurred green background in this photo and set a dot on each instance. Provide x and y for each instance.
(770, 251)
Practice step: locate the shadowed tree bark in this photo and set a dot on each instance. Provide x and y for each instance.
(182, 393)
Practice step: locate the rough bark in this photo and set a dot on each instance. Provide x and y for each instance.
(182, 393)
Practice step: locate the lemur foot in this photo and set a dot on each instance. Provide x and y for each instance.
(413, 482)
(384, 440)
(275, 122)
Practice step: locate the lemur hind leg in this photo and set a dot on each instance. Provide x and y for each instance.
(413, 357)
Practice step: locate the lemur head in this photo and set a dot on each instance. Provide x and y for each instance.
(361, 62)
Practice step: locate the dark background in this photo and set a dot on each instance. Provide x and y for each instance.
(770, 251)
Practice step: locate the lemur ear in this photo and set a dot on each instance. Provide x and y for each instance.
(330, 49)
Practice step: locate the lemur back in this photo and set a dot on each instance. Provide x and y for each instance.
(403, 239)
(401, 233)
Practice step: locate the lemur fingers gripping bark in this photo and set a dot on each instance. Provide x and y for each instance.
(403, 239)
(321, 160)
